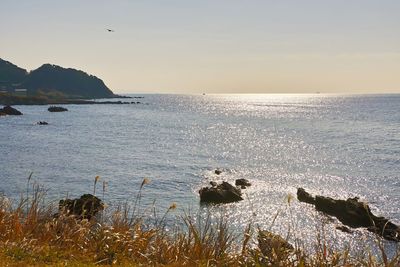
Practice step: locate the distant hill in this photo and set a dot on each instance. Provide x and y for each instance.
(11, 74)
(53, 80)
(70, 82)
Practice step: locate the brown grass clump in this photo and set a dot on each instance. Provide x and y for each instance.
(30, 235)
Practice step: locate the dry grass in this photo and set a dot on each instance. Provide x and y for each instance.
(31, 235)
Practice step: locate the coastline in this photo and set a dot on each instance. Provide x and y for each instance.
(42, 100)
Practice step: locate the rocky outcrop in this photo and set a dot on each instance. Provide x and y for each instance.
(243, 183)
(8, 110)
(270, 243)
(56, 109)
(353, 213)
(304, 196)
(222, 193)
(84, 207)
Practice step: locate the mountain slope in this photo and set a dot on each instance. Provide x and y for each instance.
(11, 74)
(53, 79)
(70, 82)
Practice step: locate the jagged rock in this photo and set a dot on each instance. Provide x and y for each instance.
(242, 183)
(84, 207)
(355, 214)
(56, 109)
(8, 110)
(272, 243)
(303, 196)
(351, 212)
(217, 171)
(222, 193)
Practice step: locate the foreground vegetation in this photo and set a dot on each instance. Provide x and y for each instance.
(31, 235)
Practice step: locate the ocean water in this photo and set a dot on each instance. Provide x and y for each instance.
(335, 145)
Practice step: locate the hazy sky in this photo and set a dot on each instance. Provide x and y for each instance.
(212, 46)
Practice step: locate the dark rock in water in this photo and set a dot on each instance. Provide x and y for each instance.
(303, 196)
(213, 184)
(272, 243)
(217, 171)
(84, 207)
(42, 123)
(222, 193)
(351, 212)
(354, 213)
(242, 183)
(8, 110)
(56, 109)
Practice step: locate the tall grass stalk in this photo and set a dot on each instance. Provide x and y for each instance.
(96, 179)
(27, 186)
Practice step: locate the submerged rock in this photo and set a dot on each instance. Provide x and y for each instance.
(242, 183)
(222, 193)
(344, 229)
(56, 109)
(353, 213)
(213, 184)
(84, 207)
(217, 171)
(8, 110)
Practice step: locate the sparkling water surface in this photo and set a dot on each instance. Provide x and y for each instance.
(335, 145)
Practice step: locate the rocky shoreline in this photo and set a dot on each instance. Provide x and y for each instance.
(351, 212)
(39, 100)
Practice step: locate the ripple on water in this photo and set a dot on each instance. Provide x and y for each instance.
(339, 146)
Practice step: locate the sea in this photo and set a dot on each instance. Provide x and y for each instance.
(339, 146)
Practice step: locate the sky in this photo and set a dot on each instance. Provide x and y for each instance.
(212, 46)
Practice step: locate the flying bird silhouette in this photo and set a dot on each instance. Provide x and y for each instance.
(109, 30)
